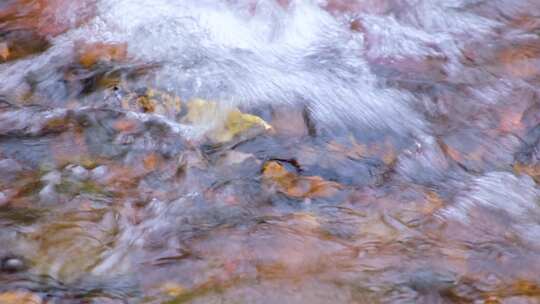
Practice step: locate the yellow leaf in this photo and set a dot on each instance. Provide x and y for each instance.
(172, 289)
(201, 112)
(225, 123)
(90, 54)
(238, 123)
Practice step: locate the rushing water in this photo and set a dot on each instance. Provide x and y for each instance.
(402, 164)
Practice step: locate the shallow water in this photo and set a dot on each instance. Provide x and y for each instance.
(398, 160)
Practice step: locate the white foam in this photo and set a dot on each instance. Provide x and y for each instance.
(503, 193)
(301, 54)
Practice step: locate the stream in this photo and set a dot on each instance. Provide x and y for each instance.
(269, 151)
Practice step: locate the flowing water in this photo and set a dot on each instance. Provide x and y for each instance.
(269, 151)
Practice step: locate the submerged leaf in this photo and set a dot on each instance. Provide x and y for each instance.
(200, 112)
(224, 124)
(90, 54)
(173, 289)
(4, 51)
(238, 123)
(532, 170)
(147, 100)
(298, 186)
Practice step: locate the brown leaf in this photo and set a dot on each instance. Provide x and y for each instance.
(531, 170)
(90, 54)
(298, 186)
(125, 125)
(510, 121)
(523, 287)
(45, 16)
(435, 202)
(4, 51)
(152, 161)
(521, 60)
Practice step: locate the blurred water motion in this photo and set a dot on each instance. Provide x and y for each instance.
(271, 151)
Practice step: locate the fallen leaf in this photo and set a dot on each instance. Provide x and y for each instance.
(523, 287)
(521, 60)
(19, 297)
(238, 123)
(492, 300)
(305, 220)
(435, 203)
(90, 54)
(147, 104)
(510, 121)
(4, 51)
(531, 170)
(225, 123)
(298, 186)
(125, 125)
(172, 289)
(200, 112)
(147, 100)
(151, 161)
(45, 17)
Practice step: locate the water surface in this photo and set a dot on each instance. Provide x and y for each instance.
(244, 151)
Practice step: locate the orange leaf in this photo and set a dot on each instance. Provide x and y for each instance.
(90, 54)
(298, 186)
(151, 161)
(4, 51)
(125, 125)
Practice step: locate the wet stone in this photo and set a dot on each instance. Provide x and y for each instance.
(12, 264)
(99, 173)
(429, 281)
(48, 194)
(78, 172)
(53, 178)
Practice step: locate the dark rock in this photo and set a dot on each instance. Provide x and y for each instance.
(18, 44)
(12, 264)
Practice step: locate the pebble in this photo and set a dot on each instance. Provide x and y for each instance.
(53, 177)
(99, 173)
(79, 173)
(48, 194)
(12, 264)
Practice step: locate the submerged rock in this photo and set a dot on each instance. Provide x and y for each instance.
(12, 264)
